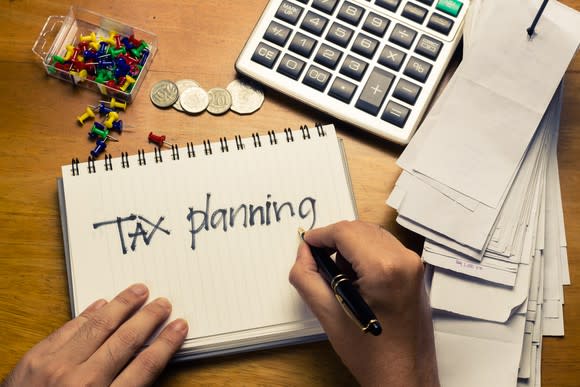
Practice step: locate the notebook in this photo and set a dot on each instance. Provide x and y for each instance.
(212, 227)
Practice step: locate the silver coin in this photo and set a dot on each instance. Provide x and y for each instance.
(247, 96)
(220, 100)
(182, 85)
(194, 100)
(164, 94)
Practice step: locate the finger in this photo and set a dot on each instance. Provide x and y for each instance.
(112, 356)
(313, 289)
(62, 335)
(101, 324)
(347, 237)
(145, 368)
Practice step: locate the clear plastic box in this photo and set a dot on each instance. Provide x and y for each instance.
(61, 34)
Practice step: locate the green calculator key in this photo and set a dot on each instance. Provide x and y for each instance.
(450, 7)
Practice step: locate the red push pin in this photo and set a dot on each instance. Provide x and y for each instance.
(159, 140)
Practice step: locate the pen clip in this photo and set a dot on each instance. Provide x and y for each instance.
(345, 307)
(348, 311)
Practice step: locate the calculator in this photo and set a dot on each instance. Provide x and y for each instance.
(374, 64)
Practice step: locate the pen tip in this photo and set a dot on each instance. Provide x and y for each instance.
(375, 328)
(301, 232)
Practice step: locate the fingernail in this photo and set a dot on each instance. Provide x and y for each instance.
(179, 325)
(139, 289)
(163, 302)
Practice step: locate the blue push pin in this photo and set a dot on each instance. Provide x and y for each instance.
(122, 68)
(117, 126)
(127, 43)
(102, 109)
(144, 56)
(100, 148)
(103, 48)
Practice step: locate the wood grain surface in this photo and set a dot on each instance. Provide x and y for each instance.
(198, 40)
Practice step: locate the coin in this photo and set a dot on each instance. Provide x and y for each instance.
(247, 96)
(164, 94)
(220, 100)
(194, 100)
(182, 85)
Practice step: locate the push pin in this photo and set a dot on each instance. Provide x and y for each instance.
(117, 126)
(129, 80)
(159, 140)
(99, 148)
(92, 37)
(111, 117)
(69, 52)
(102, 109)
(99, 131)
(117, 104)
(89, 113)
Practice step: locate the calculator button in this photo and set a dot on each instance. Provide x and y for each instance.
(450, 7)
(277, 33)
(407, 91)
(317, 78)
(440, 23)
(390, 5)
(391, 57)
(375, 91)
(417, 69)
(326, 6)
(342, 90)
(289, 12)
(314, 23)
(395, 114)
(403, 36)
(327, 56)
(428, 47)
(353, 68)
(365, 45)
(426, 2)
(302, 45)
(339, 34)
(376, 24)
(350, 13)
(265, 55)
(290, 66)
(414, 12)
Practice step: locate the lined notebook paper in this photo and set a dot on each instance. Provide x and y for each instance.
(213, 227)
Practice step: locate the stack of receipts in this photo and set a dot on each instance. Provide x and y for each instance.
(480, 183)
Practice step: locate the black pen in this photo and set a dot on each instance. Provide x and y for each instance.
(346, 294)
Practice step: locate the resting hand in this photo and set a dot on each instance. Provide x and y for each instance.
(99, 346)
(390, 279)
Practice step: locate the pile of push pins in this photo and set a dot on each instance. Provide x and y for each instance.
(114, 61)
(108, 110)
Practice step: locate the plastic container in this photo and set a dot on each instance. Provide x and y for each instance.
(61, 34)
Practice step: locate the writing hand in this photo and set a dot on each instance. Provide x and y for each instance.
(99, 346)
(390, 279)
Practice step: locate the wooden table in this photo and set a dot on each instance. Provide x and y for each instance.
(198, 40)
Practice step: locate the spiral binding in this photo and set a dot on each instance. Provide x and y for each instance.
(256, 140)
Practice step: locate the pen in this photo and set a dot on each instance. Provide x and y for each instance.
(531, 28)
(345, 292)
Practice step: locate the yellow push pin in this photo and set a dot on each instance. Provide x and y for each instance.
(111, 117)
(129, 80)
(69, 52)
(118, 104)
(94, 45)
(89, 113)
(92, 37)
